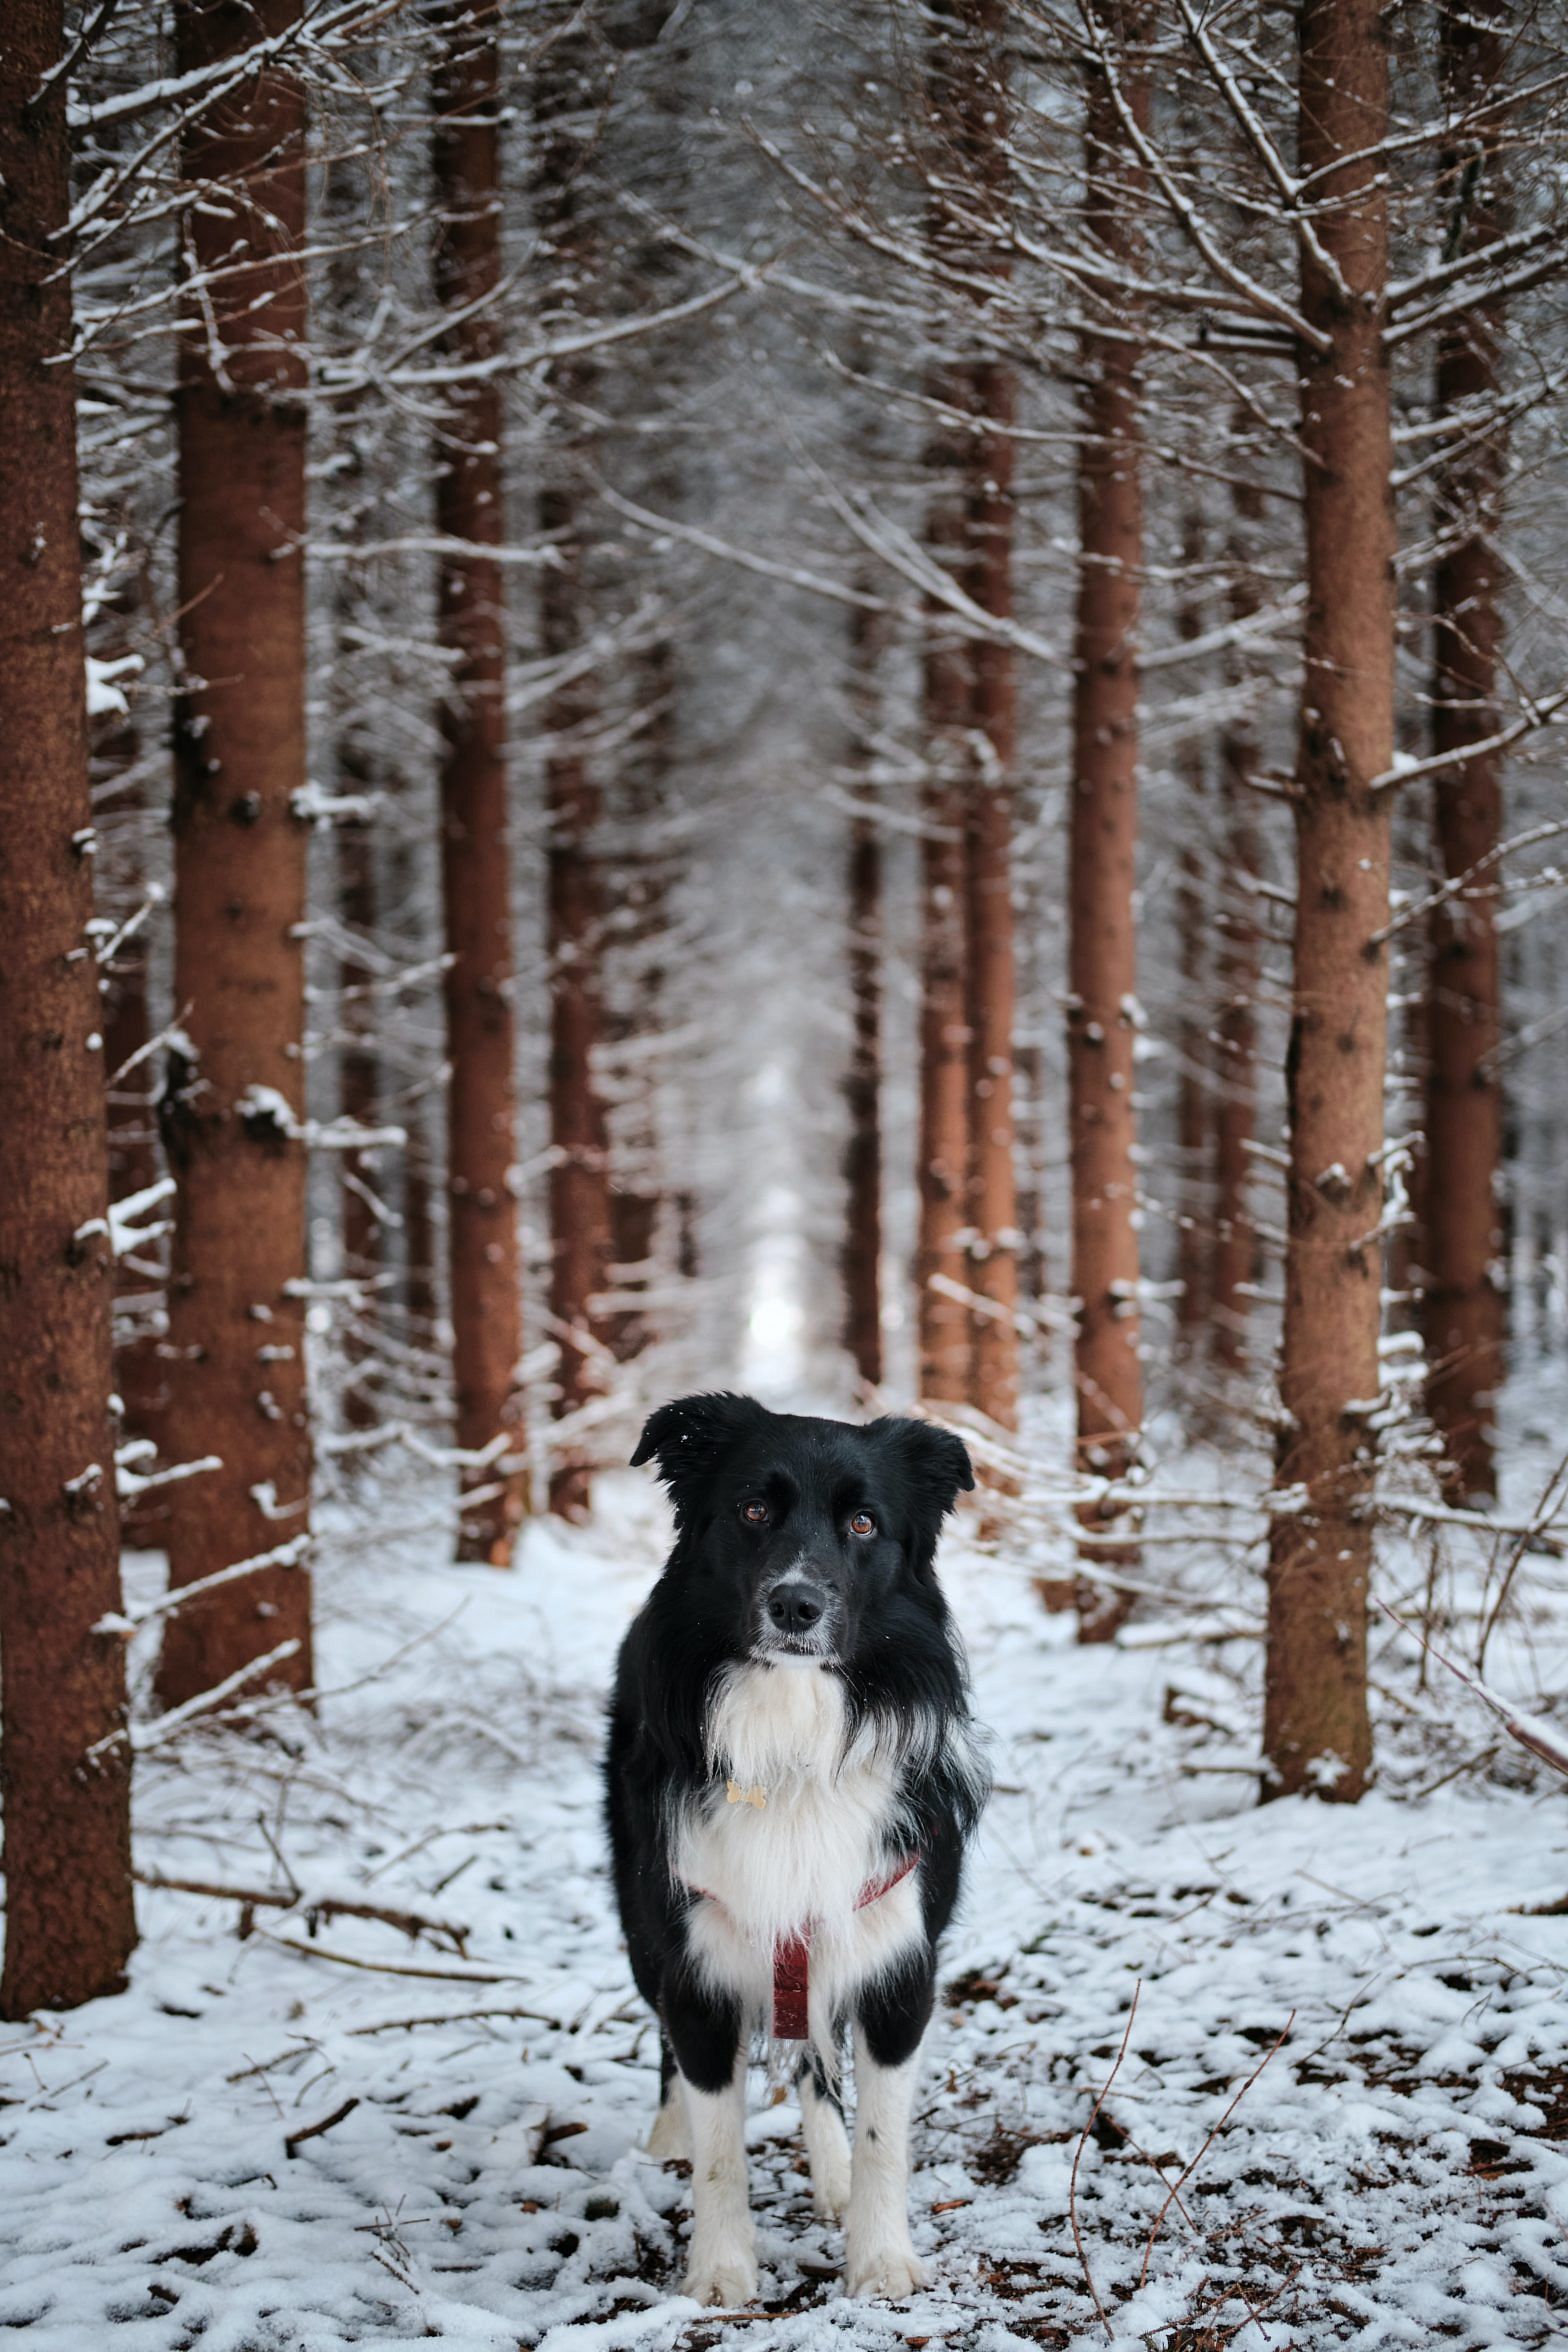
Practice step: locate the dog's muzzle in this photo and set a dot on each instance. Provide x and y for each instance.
(797, 1616)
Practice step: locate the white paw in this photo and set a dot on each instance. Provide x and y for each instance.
(891, 2271)
(726, 2282)
(671, 2133)
(830, 2183)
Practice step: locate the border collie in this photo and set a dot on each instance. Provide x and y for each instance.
(791, 1777)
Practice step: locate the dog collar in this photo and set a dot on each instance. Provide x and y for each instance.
(792, 1954)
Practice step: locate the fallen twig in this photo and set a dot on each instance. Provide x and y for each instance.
(317, 1951)
(1184, 2177)
(411, 1923)
(464, 2017)
(1542, 1739)
(1072, 2182)
(294, 2141)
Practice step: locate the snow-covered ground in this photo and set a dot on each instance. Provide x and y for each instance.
(1340, 2116)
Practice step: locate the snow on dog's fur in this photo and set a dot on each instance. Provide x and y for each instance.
(790, 1729)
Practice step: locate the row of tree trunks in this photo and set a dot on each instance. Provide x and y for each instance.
(1316, 1733)
(1102, 1015)
(65, 1762)
(483, 1259)
(580, 1220)
(233, 1109)
(1460, 1240)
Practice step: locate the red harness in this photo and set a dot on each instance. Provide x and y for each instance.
(792, 1957)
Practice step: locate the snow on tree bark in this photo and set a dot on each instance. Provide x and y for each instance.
(1316, 1735)
(233, 1102)
(70, 1920)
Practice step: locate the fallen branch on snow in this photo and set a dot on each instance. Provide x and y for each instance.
(314, 1907)
(1542, 1739)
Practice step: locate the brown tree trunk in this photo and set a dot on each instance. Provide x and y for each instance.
(968, 689)
(566, 120)
(945, 1356)
(483, 1253)
(1460, 1245)
(643, 892)
(863, 1080)
(1237, 973)
(993, 1196)
(359, 1090)
(1102, 860)
(1192, 1022)
(70, 1922)
(1316, 1735)
(234, 1100)
(135, 1163)
(140, 1367)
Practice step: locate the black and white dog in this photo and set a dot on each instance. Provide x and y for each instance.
(792, 1774)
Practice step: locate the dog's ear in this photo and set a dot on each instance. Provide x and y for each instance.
(934, 1460)
(687, 1438)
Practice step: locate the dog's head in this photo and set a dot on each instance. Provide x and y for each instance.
(805, 1533)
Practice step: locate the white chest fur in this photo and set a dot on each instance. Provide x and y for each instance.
(801, 1859)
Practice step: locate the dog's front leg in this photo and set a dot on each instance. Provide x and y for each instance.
(706, 2035)
(879, 2255)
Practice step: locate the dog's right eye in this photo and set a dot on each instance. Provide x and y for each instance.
(755, 1514)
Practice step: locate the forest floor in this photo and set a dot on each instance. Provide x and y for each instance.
(1350, 2044)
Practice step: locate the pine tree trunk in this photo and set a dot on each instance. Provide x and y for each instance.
(482, 1243)
(566, 117)
(70, 1922)
(993, 1211)
(359, 1089)
(1462, 1305)
(140, 1367)
(643, 892)
(1237, 972)
(1102, 861)
(579, 1172)
(1193, 1304)
(135, 1164)
(863, 1079)
(234, 1099)
(1316, 1735)
(945, 1355)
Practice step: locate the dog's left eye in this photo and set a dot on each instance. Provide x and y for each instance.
(862, 1524)
(755, 1514)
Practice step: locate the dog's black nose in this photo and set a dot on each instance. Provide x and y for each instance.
(795, 1608)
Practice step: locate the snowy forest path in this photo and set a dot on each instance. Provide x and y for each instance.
(294, 2141)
